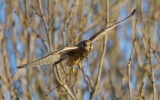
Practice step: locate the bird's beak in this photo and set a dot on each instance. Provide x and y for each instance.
(91, 46)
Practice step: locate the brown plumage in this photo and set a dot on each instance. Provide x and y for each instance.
(76, 54)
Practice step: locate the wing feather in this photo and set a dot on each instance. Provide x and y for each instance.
(51, 58)
(103, 32)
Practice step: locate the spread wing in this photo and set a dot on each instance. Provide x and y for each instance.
(105, 31)
(51, 58)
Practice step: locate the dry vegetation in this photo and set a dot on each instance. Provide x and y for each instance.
(125, 65)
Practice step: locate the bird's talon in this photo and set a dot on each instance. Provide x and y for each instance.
(73, 71)
(80, 65)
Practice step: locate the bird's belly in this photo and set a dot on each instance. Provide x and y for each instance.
(76, 57)
(73, 60)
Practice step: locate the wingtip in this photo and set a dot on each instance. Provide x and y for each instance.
(21, 66)
(133, 11)
(18, 67)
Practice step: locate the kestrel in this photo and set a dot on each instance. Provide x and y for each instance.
(75, 54)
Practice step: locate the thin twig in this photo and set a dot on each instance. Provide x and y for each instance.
(27, 14)
(48, 3)
(48, 31)
(143, 31)
(42, 14)
(141, 92)
(129, 66)
(62, 33)
(129, 63)
(70, 93)
(1, 91)
(114, 94)
(152, 71)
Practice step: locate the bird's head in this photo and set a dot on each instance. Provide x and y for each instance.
(87, 45)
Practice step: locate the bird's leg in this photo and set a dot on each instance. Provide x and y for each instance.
(80, 65)
(73, 70)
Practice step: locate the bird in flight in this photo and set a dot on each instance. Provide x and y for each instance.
(74, 54)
